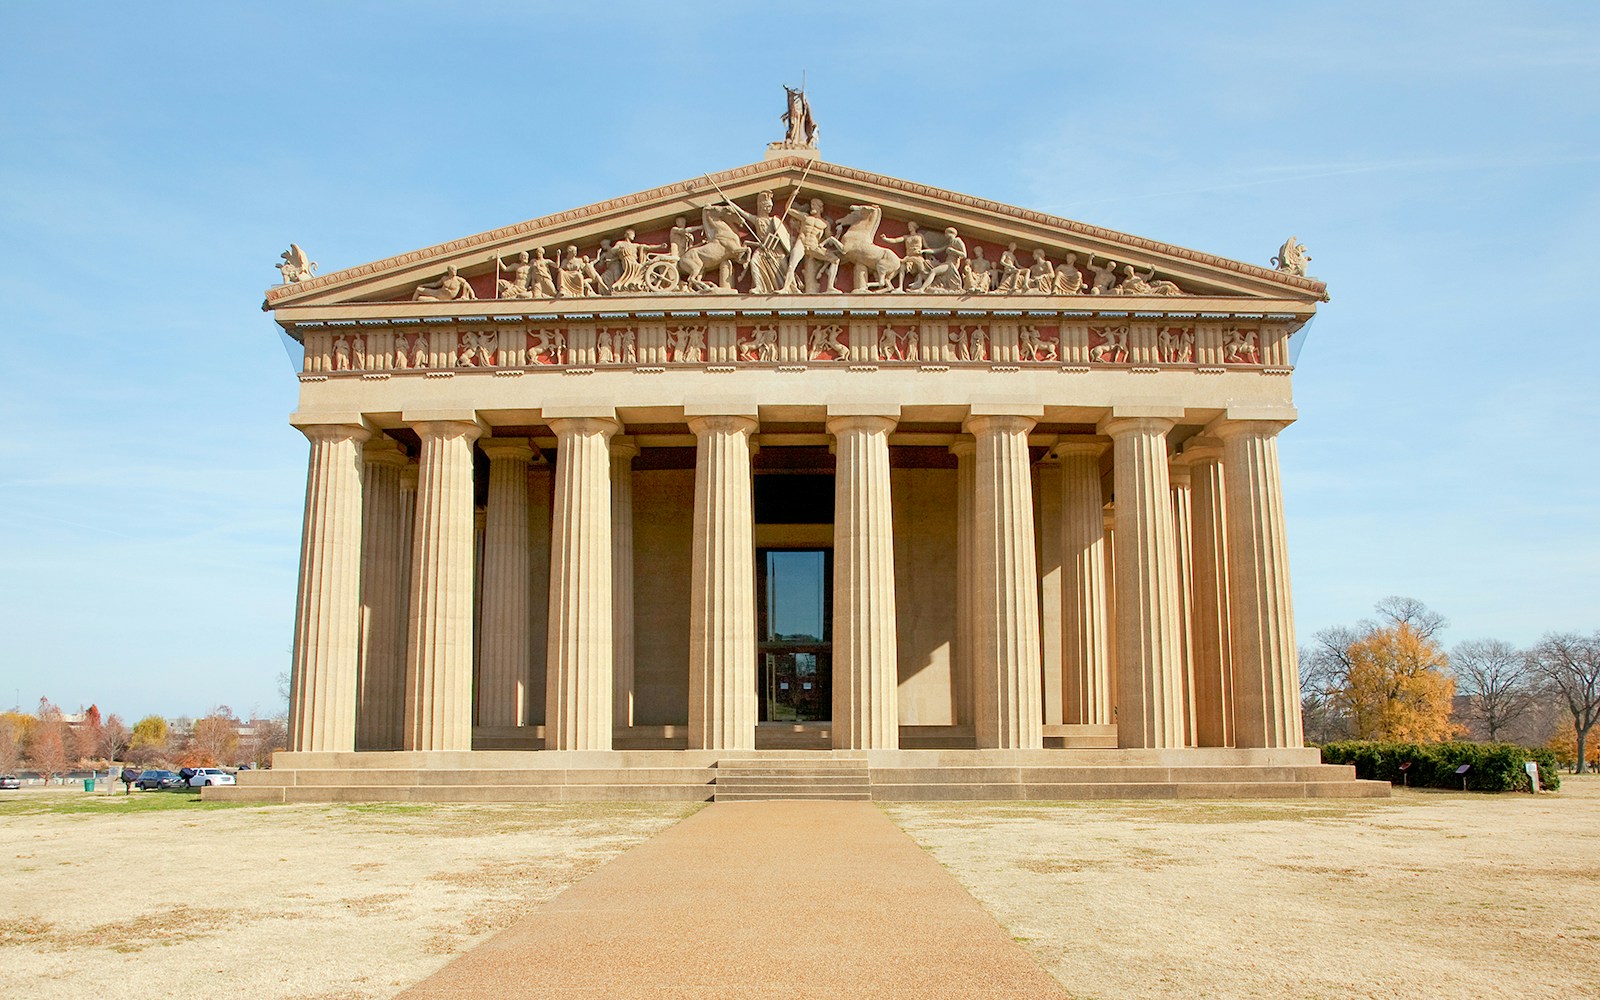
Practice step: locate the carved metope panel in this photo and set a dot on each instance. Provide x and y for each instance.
(1241, 345)
(1037, 342)
(828, 342)
(1108, 345)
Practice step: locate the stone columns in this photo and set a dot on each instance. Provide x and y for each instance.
(966, 453)
(1149, 668)
(1006, 671)
(722, 588)
(1183, 560)
(1266, 672)
(1047, 533)
(623, 451)
(578, 702)
(504, 648)
(1088, 695)
(866, 712)
(327, 621)
(439, 641)
(385, 593)
(1209, 643)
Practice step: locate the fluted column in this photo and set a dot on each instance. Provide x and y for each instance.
(1266, 671)
(1183, 562)
(1209, 643)
(966, 453)
(578, 702)
(385, 541)
(327, 621)
(623, 452)
(1047, 533)
(1110, 525)
(866, 714)
(539, 499)
(1006, 672)
(505, 647)
(440, 636)
(1087, 692)
(1149, 667)
(722, 588)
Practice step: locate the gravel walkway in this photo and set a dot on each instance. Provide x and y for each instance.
(757, 899)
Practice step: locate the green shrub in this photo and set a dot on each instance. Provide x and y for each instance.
(1496, 767)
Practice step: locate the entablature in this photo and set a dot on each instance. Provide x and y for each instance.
(793, 338)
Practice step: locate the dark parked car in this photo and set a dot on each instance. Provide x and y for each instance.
(10, 781)
(152, 780)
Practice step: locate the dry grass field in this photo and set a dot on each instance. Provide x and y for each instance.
(1426, 895)
(161, 896)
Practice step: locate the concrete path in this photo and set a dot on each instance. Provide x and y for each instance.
(756, 899)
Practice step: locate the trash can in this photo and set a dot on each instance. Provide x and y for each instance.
(88, 784)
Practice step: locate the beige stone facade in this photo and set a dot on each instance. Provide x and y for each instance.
(861, 480)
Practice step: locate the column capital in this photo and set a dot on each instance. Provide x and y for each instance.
(1071, 445)
(727, 423)
(876, 423)
(1232, 428)
(332, 427)
(1178, 475)
(381, 449)
(964, 448)
(470, 430)
(998, 423)
(1199, 450)
(1116, 426)
(624, 446)
(517, 448)
(606, 426)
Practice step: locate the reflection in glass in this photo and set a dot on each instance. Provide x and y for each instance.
(794, 658)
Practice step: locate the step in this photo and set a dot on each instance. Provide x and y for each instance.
(726, 780)
(816, 796)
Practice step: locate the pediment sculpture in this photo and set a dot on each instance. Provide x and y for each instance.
(810, 247)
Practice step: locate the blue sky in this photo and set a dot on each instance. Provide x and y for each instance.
(1438, 159)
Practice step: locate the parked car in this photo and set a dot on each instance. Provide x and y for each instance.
(153, 780)
(10, 781)
(204, 776)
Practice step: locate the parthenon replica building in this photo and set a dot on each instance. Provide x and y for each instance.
(793, 480)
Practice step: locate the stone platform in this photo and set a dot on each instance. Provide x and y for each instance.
(724, 775)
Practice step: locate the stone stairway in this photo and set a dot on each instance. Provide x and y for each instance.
(752, 779)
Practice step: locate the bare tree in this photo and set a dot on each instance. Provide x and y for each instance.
(1570, 664)
(47, 750)
(268, 736)
(1495, 676)
(1397, 611)
(114, 739)
(1324, 672)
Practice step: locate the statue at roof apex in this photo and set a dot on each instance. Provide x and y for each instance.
(800, 127)
(1292, 258)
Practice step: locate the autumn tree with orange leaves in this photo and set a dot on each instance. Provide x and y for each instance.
(1397, 687)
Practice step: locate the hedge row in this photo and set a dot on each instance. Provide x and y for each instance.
(1496, 767)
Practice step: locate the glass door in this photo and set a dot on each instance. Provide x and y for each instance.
(794, 598)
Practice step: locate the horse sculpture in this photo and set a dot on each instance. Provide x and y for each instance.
(720, 250)
(868, 258)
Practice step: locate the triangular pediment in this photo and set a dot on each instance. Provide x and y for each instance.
(686, 245)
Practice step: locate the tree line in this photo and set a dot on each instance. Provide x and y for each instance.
(52, 744)
(1389, 678)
